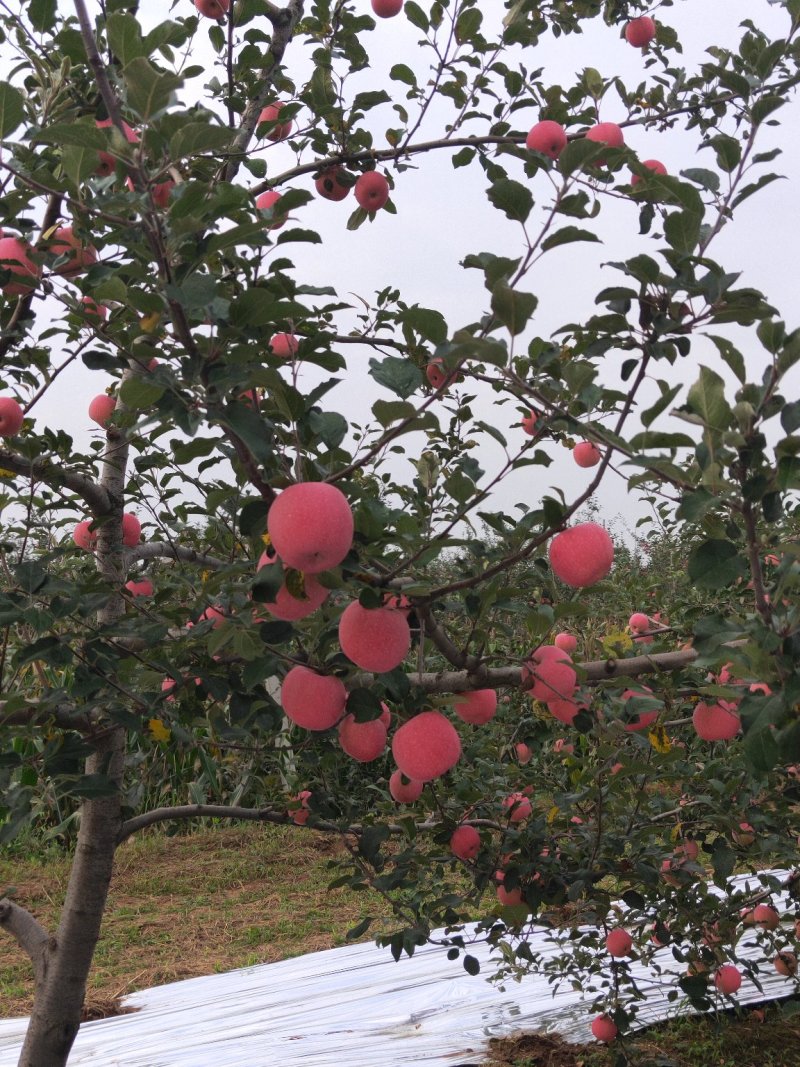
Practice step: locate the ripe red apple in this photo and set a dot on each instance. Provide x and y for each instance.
(142, 588)
(529, 423)
(101, 409)
(655, 165)
(547, 137)
(106, 163)
(561, 745)
(313, 701)
(566, 642)
(477, 707)
(619, 942)
(213, 9)
(311, 526)
(289, 607)
(436, 373)
(644, 719)
(11, 416)
(586, 454)
(281, 130)
(604, 1028)
(786, 964)
(329, 186)
(15, 257)
(83, 536)
(510, 898)
(607, 133)
(284, 345)
(563, 710)
(131, 530)
(216, 616)
(375, 639)
(364, 741)
(465, 842)
(524, 754)
(549, 674)
(93, 310)
(387, 9)
(426, 746)
(268, 201)
(371, 191)
(728, 979)
(766, 917)
(404, 790)
(64, 242)
(716, 722)
(300, 815)
(582, 555)
(639, 622)
(519, 807)
(640, 31)
(160, 193)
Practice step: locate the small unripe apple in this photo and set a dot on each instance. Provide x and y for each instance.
(728, 979)
(465, 842)
(547, 137)
(213, 9)
(101, 409)
(15, 257)
(371, 191)
(11, 416)
(586, 454)
(268, 201)
(284, 345)
(329, 186)
(280, 130)
(640, 31)
(655, 165)
(604, 1028)
(387, 9)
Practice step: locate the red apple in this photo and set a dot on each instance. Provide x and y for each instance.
(387, 9)
(375, 639)
(549, 674)
(786, 964)
(310, 525)
(11, 416)
(519, 807)
(160, 193)
(404, 790)
(529, 423)
(213, 9)
(15, 257)
(131, 530)
(619, 943)
(582, 555)
(284, 345)
(728, 979)
(83, 536)
(280, 130)
(566, 642)
(477, 707)
(93, 310)
(510, 898)
(329, 186)
(313, 701)
(604, 1028)
(640, 31)
(64, 242)
(268, 201)
(106, 164)
(101, 409)
(300, 815)
(716, 722)
(652, 164)
(436, 373)
(426, 746)
(371, 191)
(524, 754)
(465, 842)
(639, 622)
(291, 608)
(364, 741)
(547, 137)
(586, 454)
(607, 133)
(142, 588)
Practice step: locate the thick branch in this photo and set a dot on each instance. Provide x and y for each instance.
(28, 932)
(162, 550)
(58, 477)
(215, 811)
(63, 715)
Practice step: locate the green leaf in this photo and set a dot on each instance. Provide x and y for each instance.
(12, 108)
(399, 375)
(150, 91)
(139, 393)
(732, 356)
(196, 137)
(566, 235)
(42, 14)
(389, 411)
(124, 37)
(667, 396)
(253, 518)
(715, 564)
(428, 324)
(577, 155)
(416, 16)
(682, 231)
(512, 198)
(401, 73)
(78, 163)
(707, 400)
(512, 307)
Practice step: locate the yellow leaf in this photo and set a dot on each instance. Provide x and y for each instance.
(158, 731)
(6, 474)
(149, 323)
(617, 641)
(659, 739)
(265, 537)
(205, 575)
(552, 814)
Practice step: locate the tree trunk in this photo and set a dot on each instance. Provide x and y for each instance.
(61, 986)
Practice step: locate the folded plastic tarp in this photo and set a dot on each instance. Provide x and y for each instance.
(357, 1006)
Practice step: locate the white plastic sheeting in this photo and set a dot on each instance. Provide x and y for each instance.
(355, 1006)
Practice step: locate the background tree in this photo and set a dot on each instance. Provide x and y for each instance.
(147, 237)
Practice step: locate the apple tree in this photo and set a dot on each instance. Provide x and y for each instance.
(312, 540)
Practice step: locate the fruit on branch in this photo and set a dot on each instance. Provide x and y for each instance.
(426, 746)
(11, 416)
(477, 707)
(549, 674)
(518, 806)
(655, 165)
(387, 9)
(523, 753)
(639, 623)
(509, 898)
(313, 701)
(762, 915)
(102, 408)
(364, 741)
(329, 184)
(586, 454)
(607, 133)
(465, 842)
(529, 423)
(436, 374)
(547, 137)
(562, 745)
(142, 588)
(284, 345)
(216, 616)
(619, 943)
(566, 642)
(268, 201)
(716, 722)
(404, 790)
(213, 9)
(300, 815)
(287, 606)
(745, 836)
(106, 164)
(385, 716)
(15, 257)
(643, 719)
(564, 710)
(280, 130)
(604, 1028)
(728, 979)
(371, 191)
(160, 193)
(83, 536)
(640, 31)
(311, 526)
(375, 639)
(131, 530)
(93, 310)
(64, 242)
(786, 964)
(582, 555)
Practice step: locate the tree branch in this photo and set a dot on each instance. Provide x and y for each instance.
(217, 811)
(63, 715)
(28, 932)
(162, 550)
(59, 477)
